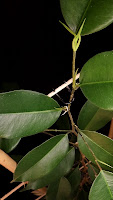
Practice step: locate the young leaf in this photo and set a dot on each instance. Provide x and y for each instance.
(42, 160)
(8, 145)
(24, 113)
(101, 146)
(96, 80)
(102, 187)
(62, 168)
(92, 117)
(60, 190)
(98, 14)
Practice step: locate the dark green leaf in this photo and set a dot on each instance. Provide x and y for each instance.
(60, 190)
(63, 123)
(74, 179)
(92, 170)
(82, 195)
(60, 170)
(98, 14)
(102, 187)
(101, 145)
(42, 160)
(24, 113)
(92, 117)
(8, 145)
(96, 80)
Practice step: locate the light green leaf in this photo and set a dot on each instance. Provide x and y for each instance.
(101, 145)
(24, 113)
(92, 117)
(96, 80)
(98, 14)
(102, 188)
(42, 160)
(8, 145)
(62, 168)
(60, 190)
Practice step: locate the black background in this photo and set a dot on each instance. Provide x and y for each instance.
(36, 54)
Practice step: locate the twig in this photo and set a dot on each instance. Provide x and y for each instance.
(13, 190)
(110, 135)
(7, 162)
(57, 90)
(41, 196)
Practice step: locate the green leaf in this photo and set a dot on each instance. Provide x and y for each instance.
(24, 113)
(96, 80)
(60, 190)
(8, 145)
(92, 170)
(63, 123)
(42, 160)
(83, 195)
(98, 14)
(74, 178)
(62, 168)
(102, 187)
(101, 145)
(92, 117)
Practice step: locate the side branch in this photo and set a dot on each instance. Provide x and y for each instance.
(57, 90)
(7, 162)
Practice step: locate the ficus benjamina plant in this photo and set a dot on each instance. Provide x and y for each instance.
(74, 164)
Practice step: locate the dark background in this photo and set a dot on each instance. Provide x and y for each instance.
(36, 54)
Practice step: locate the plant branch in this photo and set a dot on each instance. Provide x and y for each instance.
(7, 162)
(13, 190)
(91, 152)
(110, 135)
(61, 87)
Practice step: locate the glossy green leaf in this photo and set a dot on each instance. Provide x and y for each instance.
(96, 80)
(75, 178)
(60, 190)
(42, 160)
(101, 145)
(24, 113)
(8, 145)
(98, 14)
(62, 168)
(92, 117)
(102, 187)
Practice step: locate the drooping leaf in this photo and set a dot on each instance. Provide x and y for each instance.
(74, 179)
(96, 80)
(24, 113)
(102, 187)
(42, 160)
(8, 145)
(92, 117)
(101, 145)
(60, 190)
(98, 14)
(62, 168)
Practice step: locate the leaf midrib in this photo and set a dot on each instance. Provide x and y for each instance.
(83, 16)
(107, 184)
(96, 82)
(32, 112)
